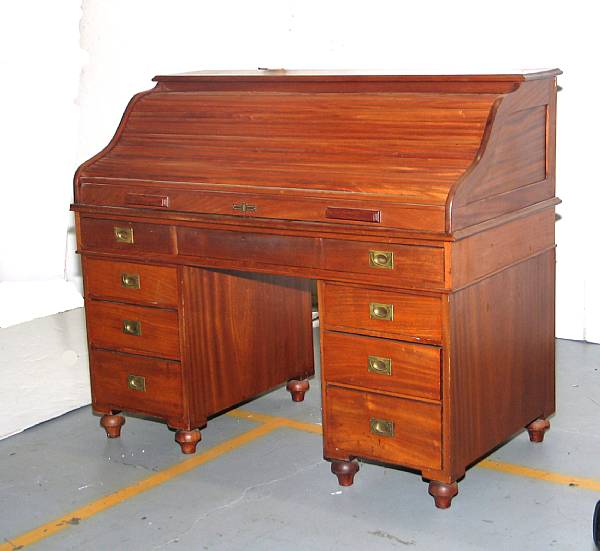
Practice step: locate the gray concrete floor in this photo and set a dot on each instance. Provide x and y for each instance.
(276, 492)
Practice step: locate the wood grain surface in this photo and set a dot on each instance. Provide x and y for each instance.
(502, 332)
(417, 425)
(246, 333)
(163, 394)
(99, 234)
(157, 284)
(514, 167)
(159, 329)
(485, 252)
(416, 317)
(415, 369)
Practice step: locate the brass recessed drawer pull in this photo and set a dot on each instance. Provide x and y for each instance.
(130, 281)
(382, 427)
(136, 382)
(123, 234)
(378, 311)
(381, 259)
(381, 366)
(132, 327)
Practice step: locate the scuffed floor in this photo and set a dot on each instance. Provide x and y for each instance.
(273, 491)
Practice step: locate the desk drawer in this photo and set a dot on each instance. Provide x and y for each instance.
(383, 312)
(136, 329)
(382, 364)
(258, 247)
(393, 430)
(131, 282)
(123, 236)
(135, 383)
(399, 264)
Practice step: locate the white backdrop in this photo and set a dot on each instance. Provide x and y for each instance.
(126, 42)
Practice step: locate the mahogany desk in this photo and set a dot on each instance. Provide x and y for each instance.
(423, 206)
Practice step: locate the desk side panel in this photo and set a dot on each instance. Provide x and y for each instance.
(484, 253)
(515, 167)
(502, 357)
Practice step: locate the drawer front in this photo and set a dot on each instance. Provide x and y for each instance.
(135, 329)
(264, 248)
(393, 430)
(398, 264)
(135, 383)
(381, 364)
(123, 236)
(127, 281)
(389, 313)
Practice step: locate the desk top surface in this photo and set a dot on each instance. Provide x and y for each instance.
(345, 75)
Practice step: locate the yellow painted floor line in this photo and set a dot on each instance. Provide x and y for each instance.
(250, 415)
(539, 474)
(74, 517)
(492, 464)
(268, 423)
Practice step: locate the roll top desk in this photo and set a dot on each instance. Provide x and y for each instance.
(423, 206)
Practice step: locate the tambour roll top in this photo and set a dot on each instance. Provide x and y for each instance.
(420, 154)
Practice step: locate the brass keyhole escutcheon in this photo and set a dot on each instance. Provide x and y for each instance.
(381, 259)
(130, 281)
(136, 382)
(244, 208)
(382, 427)
(132, 327)
(380, 311)
(380, 366)
(123, 234)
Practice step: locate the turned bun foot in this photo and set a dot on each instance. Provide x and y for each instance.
(442, 493)
(112, 425)
(187, 439)
(297, 389)
(345, 471)
(537, 429)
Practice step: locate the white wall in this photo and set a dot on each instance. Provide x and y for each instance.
(129, 41)
(40, 65)
(43, 363)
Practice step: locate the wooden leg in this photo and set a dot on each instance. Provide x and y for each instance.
(297, 389)
(442, 493)
(537, 429)
(112, 425)
(188, 439)
(345, 471)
